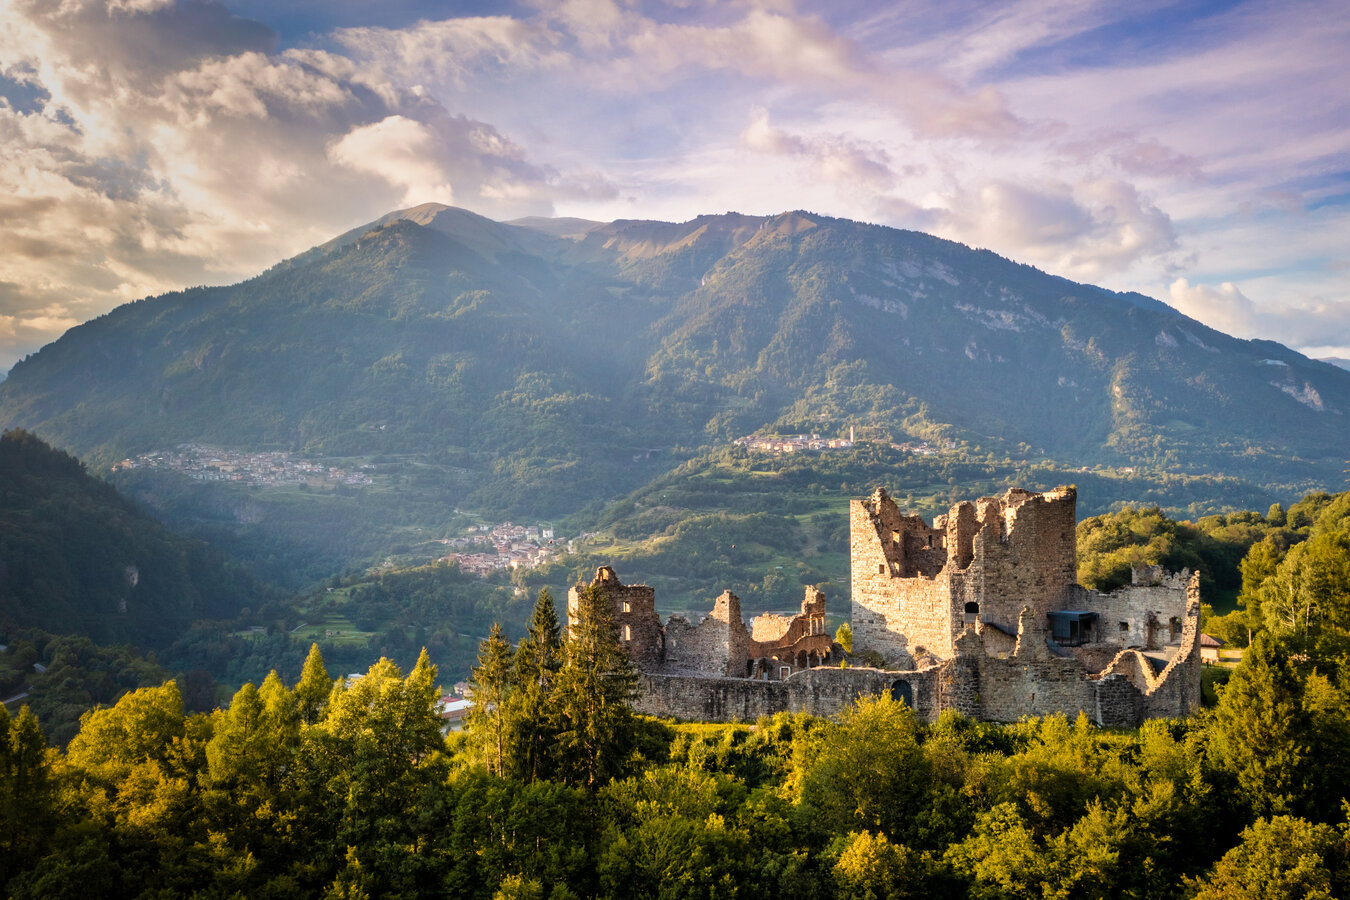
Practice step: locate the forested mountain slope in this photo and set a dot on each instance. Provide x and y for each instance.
(78, 558)
(545, 362)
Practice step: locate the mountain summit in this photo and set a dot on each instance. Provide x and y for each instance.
(548, 354)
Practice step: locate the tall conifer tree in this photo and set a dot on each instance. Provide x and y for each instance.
(595, 687)
(493, 681)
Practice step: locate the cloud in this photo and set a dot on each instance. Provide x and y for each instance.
(1224, 307)
(835, 158)
(1308, 321)
(401, 151)
(453, 50)
(1085, 230)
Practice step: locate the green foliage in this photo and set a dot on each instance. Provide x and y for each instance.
(867, 771)
(593, 691)
(77, 558)
(1281, 858)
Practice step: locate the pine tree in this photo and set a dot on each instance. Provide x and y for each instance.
(595, 688)
(27, 792)
(532, 719)
(1260, 731)
(311, 692)
(493, 681)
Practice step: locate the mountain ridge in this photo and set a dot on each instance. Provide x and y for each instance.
(527, 357)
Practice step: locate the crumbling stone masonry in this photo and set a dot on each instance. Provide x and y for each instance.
(979, 613)
(719, 646)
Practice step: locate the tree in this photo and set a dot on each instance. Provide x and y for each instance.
(493, 681)
(873, 868)
(311, 692)
(866, 772)
(532, 718)
(843, 636)
(1283, 858)
(1258, 565)
(595, 687)
(27, 792)
(1260, 730)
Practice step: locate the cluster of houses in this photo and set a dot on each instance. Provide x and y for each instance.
(273, 467)
(505, 546)
(794, 443)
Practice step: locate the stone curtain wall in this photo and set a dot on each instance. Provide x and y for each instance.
(821, 692)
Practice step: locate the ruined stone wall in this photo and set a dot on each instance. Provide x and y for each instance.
(1024, 554)
(635, 616)
(822, 692)
(1119, 703)
(769, 629)
(1135, 668)
(1149, 613)
(1178, 690)
(718, 645)
(1015, 687)
(1001, 554)
(892, 615)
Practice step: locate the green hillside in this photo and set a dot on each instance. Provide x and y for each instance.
(78, 558)
(544, 370)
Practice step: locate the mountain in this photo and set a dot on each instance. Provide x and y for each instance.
(78, 558)
(540, 366)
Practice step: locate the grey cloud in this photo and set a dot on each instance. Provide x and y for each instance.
(140, 46)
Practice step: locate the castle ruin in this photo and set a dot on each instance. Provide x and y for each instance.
(980, 613)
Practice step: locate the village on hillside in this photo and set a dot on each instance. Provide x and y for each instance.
(270, 467)
(797, 443)
(485, 549)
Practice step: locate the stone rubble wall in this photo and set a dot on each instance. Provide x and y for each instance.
(1145, 607)
(821, 692)
(719, 645)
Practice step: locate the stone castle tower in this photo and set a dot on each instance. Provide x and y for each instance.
(919, 586)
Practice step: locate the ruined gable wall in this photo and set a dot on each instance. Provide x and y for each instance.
(1178, 690)
(766, 628)
(1134, 667)
(772, 629)
(891, 614)
(718, 645)
(635, 616)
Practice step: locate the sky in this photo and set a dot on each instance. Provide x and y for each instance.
(1196, 152)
